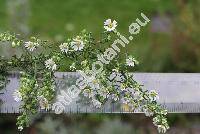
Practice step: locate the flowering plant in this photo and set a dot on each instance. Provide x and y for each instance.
(39, 60)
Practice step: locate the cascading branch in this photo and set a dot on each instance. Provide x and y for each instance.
(40, 59)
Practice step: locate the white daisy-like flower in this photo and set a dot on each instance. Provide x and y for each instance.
(103, 92)
(109, 25)
(64, 47)
(20, 128)
(44, 104)
(115, 97)
(88, 93)
(130, 61)
(88, 75)
(17, 96)
(153, 95)
(77, 44)
(72, 67)
(116, 76)
(123, 87)
(94, 84)
(134, 93)
(148, 112)
(162, 129)
(125, 100)
(50, 64)
(130, 90)
(2, 83)
(96, 103)
(155, 121)
(84, 63)
(31, 46)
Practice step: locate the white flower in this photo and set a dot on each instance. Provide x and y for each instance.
(84, 63)
(94, 84)
(109, 25)
(31, 46)
(89, 76)
(138, 96)
(17, 96)
(130, 90)
(2, 83)
(155, 121)
(116, 76)
(64, 47)
(123, 87)
(153, 95)
(20, 128)
(115, 97)
(162, 129)
(77, 44)
(50, 64)
(96, 103)
(44, 104)
(125, 100)
(130, 61)
(53, 87)
(148, 112)
(73, 67)
(88, 93)
(103, 92)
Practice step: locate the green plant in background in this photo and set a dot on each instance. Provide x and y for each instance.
(39, 61)
(50, 126)
(3, 72)
(108, 126)
(186, 48)
(115, 127)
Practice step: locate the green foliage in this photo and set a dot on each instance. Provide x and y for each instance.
(37, 86)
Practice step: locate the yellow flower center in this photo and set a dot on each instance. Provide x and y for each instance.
(94, 81)
(78, 43)
(31, 45)
(123, 86)
(110, 25)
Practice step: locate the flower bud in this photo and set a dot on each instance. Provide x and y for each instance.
(18, 43)
(14, 44)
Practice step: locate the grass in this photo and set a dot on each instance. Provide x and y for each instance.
(61, 19)
(50, 19)
(3, 16)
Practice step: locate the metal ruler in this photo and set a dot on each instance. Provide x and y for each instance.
(178, 93)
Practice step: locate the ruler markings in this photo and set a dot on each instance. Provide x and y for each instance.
(178, 92)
